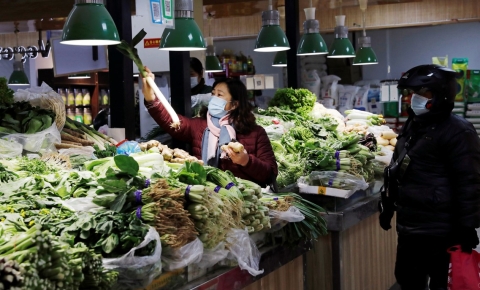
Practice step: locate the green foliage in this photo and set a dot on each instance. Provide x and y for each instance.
(6, 94)
(24, 118)
(300, 101)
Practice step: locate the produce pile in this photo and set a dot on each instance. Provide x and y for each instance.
(76, 135)
(60, 218)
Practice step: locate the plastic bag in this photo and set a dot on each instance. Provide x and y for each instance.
(38, 142)
(275, 132)
(46, 98)
(191, 253)
(212, 256)
(244, 250)
(464, 269)
(385, 155)
(10, 148)
(81, 204)
(279, 219)
(137, 272)
(334, 179)
(128, 147)
(311, 81)
(346, 98)
(361, 98)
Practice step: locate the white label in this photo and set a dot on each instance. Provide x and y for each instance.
(385, 93)
(393, 93)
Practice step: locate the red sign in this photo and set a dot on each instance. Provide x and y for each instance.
(151, 42)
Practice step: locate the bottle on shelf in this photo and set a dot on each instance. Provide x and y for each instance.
(244, 63)
(61, 92)
(104, 97)
(70, 114)
(78, 97)
(226, 60)
(79, 115)
(70, 97)
(239, 63)
(86, 97)
(250, 66)
(87, 116)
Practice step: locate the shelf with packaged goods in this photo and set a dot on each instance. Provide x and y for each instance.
(94, 84)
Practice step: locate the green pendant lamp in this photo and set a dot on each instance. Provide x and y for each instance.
(79, 76)
(341, 47)
(212, 63)
(280, 59)
(18, 76)
(186, 36)
(89, 23)
(365, 54)
(271, 36)
(311, 42)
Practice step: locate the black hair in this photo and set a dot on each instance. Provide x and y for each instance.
(101, 118)
(196, 65)
(241, 117)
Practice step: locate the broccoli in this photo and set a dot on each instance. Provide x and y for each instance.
(6, 94)
(300, 101)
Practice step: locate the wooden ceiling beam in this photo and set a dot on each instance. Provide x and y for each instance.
(23, 10)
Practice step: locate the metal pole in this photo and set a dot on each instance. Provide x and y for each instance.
(121, 71)
(293, 35)
(180, 87)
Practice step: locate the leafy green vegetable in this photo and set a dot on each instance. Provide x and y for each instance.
(300, 101)
(126, 164)
(22, 117)
(110, 150)
(6, 94)
(192, 173)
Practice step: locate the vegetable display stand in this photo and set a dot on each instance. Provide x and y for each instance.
(357, 253)
(284, 269)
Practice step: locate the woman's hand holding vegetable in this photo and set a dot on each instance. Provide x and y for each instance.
(240, 158)
(147, 90)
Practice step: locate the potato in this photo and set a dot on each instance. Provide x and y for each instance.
(382, 141)
(389, 135)
(390, 147)
(393, 141)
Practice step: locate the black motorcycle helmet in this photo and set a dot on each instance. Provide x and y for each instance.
(441, 81)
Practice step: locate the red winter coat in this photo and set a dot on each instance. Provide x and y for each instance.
(261, 167)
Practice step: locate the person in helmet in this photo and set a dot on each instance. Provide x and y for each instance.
(433, 181)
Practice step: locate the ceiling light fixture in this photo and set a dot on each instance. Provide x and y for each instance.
(89, 23)
(365, 54)
(186, 36)
(79, 76)
(271, 36)
(311, 42)
(341, 47)
(280, 59)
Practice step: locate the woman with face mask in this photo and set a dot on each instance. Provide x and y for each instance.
(227, 118)
(433, 181)
(200, 92)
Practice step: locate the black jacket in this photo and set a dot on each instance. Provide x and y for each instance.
(440, 189)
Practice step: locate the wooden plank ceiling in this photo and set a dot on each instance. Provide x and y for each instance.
(48, 14)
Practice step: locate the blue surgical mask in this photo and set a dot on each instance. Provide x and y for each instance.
(193, 82)
(418, 104)
(216, 107)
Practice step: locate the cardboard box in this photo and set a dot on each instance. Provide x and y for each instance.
(329, 191)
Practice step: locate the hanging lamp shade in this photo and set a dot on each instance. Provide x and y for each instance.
(280, 59)
(271, 36)
(365, 54)
(89, 23)
(186, 36)
(341, 47)
(18, 76)
(212, 63)
(311, 42)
